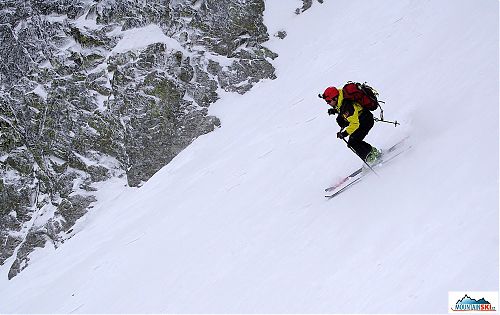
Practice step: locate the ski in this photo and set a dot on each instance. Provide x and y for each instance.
(344, 188)
(356, 176)
(344, 180)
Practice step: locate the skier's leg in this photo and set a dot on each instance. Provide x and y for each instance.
(361, 147)
(356, 142)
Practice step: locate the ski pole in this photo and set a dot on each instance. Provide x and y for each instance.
(395, 123)
(371, 168)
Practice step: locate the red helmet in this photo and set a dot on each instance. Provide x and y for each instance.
(330, 93)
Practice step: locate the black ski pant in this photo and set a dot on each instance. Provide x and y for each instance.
(356, 142)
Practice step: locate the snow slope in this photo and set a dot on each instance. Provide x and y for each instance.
(238, 222)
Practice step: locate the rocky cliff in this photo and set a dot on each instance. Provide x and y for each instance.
(91, 90)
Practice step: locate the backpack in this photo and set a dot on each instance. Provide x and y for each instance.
(363, 94)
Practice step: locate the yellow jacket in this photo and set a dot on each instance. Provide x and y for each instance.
(349, 112)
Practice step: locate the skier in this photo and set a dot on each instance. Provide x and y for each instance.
(357, 122)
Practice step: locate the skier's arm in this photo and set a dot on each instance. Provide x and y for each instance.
(349, 113)
(353, 120)
(353, 124)
(342, 122)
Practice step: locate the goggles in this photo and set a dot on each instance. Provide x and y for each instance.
(331, 99)
(328, 100)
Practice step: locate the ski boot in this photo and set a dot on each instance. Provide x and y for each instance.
(373, 157)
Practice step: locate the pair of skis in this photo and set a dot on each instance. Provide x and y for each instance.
(355, 177)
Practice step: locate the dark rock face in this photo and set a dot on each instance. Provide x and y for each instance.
(306, 5)
(75, 110)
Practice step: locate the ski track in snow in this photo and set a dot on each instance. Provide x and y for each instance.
(238, 222)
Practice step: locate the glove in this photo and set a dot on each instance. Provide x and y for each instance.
(342, 134)
(332, 111)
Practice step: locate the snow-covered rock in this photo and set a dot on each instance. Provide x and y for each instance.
(86, 82)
